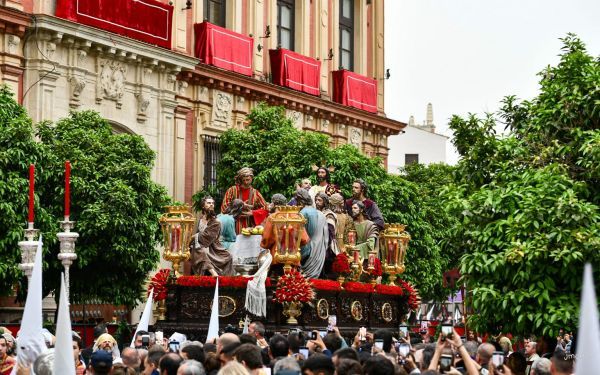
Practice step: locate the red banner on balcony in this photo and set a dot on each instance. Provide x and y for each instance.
(354, 90)
(295, 71)
(224, 48)
(145, 20)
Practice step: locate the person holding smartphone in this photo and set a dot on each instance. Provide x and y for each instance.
(315, 344)
(446, 343)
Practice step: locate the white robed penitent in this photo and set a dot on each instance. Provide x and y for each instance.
(213, 325)
(588, 335)
(63, 347)
(145, 320)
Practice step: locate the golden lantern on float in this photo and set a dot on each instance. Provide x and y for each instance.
(288, 225)
(393, 245)
(177, 226)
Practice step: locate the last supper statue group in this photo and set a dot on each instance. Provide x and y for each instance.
(244, 233)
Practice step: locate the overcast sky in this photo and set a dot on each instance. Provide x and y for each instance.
(466, 55)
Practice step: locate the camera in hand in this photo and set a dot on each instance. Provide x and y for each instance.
(447, 330)
(445, 362)
(313, 335)
(174, 346)
(145, 341)
(498, 359)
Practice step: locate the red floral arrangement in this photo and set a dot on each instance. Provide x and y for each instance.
(389, 290)
(159, 284)
(377, 271)
(340, 264)
(326, 285)
(414, 300)
(356, 287)
(211, 281)
(293, 287)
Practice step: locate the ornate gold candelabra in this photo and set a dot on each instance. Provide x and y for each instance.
(356, 261)
(177, 226)
(288, 226)
(394, 240)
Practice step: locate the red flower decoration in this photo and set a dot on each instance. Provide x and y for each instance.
(414, 300)
(293, 287)
(329, 285)
(377, 271)
(356, 287)
(159, 284)
(389, 290)
(210, 281)
(340, 264)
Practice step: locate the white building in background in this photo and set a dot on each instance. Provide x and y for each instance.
(418, 143)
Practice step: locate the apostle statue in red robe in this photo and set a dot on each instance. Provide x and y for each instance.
(254, 211)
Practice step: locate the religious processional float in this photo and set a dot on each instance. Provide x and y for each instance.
(367, 292)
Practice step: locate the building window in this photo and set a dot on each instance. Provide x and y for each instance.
(347, 34)
(411, 159)
(214, 12)
(285, 23)
(212, 155)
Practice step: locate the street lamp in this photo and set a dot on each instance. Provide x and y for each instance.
(177, 225)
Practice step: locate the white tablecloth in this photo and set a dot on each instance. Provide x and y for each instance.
(245, 250)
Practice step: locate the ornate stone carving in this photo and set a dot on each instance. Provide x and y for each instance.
(181, 86)
(382, 140)
(77, 86)
(341, 129)
(143, 101)
(222, 106)
(50, 48)
(355, 137)
(111, 81)
(81, 55)
(296, 118)
(12, 44)
(325, 125)
(171, 79)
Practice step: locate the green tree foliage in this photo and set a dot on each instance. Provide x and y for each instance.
(281, 155)
(270, 140)
(528, 205)
(18, 149)
(115, 203)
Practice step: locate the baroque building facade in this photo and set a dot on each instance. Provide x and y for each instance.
(147, 78)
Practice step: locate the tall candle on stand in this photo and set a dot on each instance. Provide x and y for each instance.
(351, 238)
(67, 190)
(31, 198)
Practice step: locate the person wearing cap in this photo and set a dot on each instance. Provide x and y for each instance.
(87, 352)
(318, 364)
(101, 362)
(108, 343)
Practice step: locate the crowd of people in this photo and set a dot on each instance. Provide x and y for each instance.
(303, 353)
